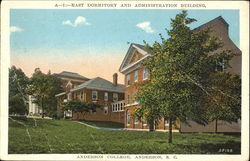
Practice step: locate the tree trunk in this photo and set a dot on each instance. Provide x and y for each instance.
(216, 126)
(170, 131)
(151, 125)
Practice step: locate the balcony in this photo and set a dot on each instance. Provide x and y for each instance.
(118, 106)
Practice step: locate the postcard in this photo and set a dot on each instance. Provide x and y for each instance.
(124, 80)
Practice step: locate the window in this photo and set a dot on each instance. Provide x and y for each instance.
(106, 110)
(220, 65)
(115, 97)
(128, 80)
(128, 118)
(81, 95)
(136, 76)
(145, 73)
(106, 96)
(121, 106)
(94, 95)
(166, 122)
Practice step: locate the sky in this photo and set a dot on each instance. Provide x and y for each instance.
(92, 43)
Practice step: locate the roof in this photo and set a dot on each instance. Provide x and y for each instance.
(124, 66)
(133, 46)
(217, 18)
(100, 84)
(71, 74)
(139, 46)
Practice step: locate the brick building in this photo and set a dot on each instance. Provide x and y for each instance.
(135, 73)
(100, 91)
(70, 79)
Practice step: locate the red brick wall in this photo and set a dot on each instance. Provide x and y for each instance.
(99, 115)
(159, 125)
(131, 90)
(220, 31)
(87, 93)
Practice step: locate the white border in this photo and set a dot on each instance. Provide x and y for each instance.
(5, 62)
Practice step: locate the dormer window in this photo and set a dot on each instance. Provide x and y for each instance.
(128, 79)
(145, 73)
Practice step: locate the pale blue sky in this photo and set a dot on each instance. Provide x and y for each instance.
(44, 33)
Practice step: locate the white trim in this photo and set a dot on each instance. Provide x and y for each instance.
(69, 83)
(74, 80)
(60, 94)
(126, 56)
(131, 52)
(132, 104)
(140, 50)
(118, 106)
(123, 70)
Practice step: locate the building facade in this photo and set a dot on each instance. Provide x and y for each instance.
(70, 79)
(108, 95)
(135, 74)
(34, 109)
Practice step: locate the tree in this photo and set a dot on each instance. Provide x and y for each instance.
(18, 83)
(79, 106)
(183, 80)
(44, 87)
(226, 90)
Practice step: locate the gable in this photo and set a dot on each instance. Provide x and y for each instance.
(69, 84)
(218, 27)
(136, 56)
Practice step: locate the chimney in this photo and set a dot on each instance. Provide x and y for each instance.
(115, 75)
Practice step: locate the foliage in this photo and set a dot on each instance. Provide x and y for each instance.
(184, 82)
(66, 137)
(79, 106)
(18, 83)
(44, 87)
(226, 92)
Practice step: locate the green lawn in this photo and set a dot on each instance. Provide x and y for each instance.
(104, 124)
(59, 136)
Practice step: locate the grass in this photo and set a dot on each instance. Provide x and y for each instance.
(38, 136)
(105, 124)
